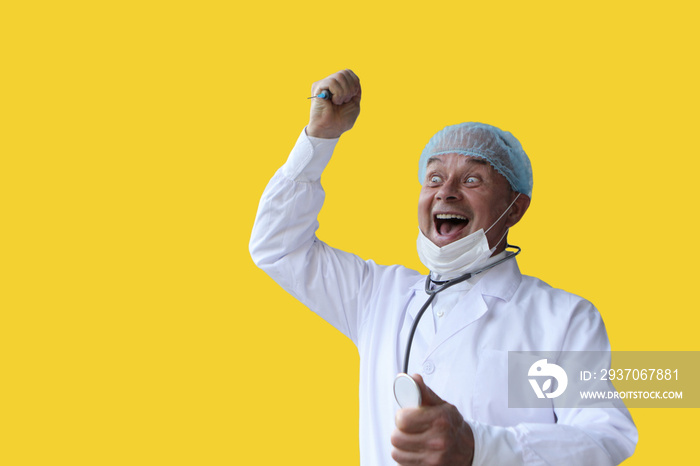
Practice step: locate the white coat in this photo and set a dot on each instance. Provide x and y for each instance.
(464, 359)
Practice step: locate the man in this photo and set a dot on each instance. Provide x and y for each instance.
(477, 184)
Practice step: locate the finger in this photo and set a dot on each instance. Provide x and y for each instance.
(358, 97)
(428, 397)
(317, 88)
(412, 442)
(328, 83)
(415, 420)
(408, 458)
(344, 85)
(342, 93)
(355, 80)
(353, 84)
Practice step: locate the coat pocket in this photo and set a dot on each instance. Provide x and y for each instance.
(490, 400)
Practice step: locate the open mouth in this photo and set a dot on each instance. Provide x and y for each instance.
(450, 224)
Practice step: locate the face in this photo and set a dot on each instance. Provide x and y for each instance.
(461, 195)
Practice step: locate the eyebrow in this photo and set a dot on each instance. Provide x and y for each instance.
(470, 159)
(477, 160)
(433, 159)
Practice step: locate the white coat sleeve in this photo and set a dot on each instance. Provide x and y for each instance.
(284, 243)
(581, 436)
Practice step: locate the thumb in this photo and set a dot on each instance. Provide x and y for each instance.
(428, 397)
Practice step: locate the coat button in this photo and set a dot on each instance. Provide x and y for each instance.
(428, 367)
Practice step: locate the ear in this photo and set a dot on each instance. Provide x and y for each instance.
(518, 209)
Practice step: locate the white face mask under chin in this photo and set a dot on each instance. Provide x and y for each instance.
(456, 258)
(459, 257)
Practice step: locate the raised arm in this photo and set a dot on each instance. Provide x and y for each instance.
(284, 243)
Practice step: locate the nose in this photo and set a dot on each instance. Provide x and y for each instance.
(449, 191)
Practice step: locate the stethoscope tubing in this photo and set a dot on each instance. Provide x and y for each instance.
(441, 286)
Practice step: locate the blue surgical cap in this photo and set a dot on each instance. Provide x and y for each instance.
(499, 148)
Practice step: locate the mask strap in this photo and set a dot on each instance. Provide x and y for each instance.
(504, 212)
(499, 241)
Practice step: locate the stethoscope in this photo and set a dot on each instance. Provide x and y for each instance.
(406, 390)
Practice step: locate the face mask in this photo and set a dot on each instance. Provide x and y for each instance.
(461, 256)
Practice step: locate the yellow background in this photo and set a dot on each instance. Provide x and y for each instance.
(137, 137)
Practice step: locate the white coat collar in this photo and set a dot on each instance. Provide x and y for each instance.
(500, 282)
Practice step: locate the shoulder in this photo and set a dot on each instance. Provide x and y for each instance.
(542, 291)
(574, 316)
(392, 276)
(508, 285)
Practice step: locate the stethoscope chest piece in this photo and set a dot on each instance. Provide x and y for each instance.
(406, 391)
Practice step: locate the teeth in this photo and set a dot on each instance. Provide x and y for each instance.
(450, 216)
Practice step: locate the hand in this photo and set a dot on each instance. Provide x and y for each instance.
(331, 118)
(434, 434)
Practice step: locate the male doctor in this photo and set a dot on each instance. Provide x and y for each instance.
(476, 184)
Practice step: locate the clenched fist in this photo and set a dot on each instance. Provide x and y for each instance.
(434, 434)
(331, 118)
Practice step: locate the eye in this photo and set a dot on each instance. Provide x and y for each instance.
(472, 179)
(435, 179)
